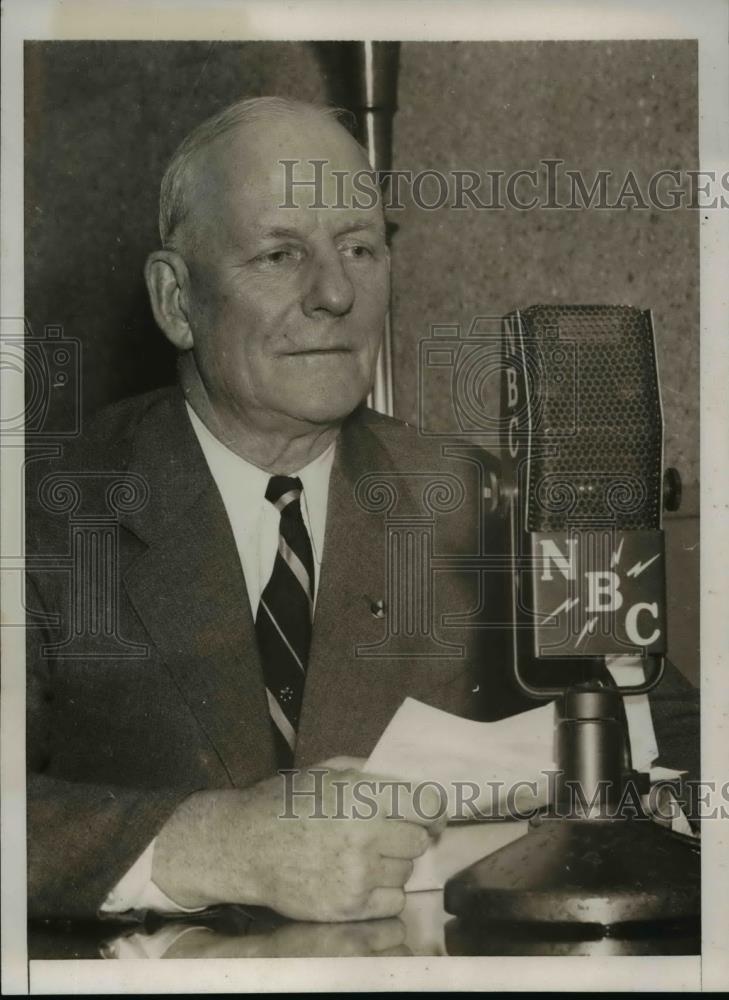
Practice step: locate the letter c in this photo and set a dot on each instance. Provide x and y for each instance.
(631, 624)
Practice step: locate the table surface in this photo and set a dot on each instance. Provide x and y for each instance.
(423, 928)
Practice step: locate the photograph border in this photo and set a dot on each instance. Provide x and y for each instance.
(380, 20)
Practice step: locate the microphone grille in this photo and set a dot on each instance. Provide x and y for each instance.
(597, 428)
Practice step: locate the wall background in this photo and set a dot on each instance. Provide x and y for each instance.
(103, 117)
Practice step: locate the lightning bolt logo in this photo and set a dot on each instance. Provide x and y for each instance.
(589, 626)
(564, 606)
(636, 570)
(616, 555)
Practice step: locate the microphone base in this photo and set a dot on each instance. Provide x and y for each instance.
(585, 874)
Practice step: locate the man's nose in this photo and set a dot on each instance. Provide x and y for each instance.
(330, 289)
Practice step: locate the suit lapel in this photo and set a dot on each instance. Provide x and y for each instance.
(189, 591)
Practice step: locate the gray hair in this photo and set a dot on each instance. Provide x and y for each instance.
(174, 201)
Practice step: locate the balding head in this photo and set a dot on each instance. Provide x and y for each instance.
(248, 123)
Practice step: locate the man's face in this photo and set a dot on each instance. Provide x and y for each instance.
(287, 305)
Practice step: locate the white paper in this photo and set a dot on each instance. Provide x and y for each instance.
(515, 755)
(426, 744)
(628, 671)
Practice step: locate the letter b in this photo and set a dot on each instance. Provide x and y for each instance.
(603, 592)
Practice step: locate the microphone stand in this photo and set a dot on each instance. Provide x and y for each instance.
(590, 860)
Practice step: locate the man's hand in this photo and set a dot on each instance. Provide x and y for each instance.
(322, 844)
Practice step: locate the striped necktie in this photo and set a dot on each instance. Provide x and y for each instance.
(285, 613)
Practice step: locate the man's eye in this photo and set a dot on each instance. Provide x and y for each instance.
(278, 258)
(356, 250)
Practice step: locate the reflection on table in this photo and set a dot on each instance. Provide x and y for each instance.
(423, 928)
(247, 932)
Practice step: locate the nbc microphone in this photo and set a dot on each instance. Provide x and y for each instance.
(583, 492)
(583, 464)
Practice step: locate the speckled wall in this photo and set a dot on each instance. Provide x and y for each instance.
(102, 118)
(509, 106)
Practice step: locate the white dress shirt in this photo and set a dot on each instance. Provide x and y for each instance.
(255, 525)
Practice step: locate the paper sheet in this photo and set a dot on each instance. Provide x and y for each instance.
(628, 671)
(425, 744)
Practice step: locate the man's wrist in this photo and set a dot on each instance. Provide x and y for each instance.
(191, 863)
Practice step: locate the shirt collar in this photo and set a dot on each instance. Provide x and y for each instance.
(244, 482)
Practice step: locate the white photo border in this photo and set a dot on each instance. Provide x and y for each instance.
(231, 20)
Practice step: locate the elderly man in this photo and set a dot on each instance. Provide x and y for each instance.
(154, 767)
(250, 577)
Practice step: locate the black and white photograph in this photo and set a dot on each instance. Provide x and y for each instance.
(363, 464)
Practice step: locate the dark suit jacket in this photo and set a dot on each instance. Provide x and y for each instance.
(122, 727)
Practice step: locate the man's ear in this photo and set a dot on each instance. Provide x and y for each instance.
(167, 280)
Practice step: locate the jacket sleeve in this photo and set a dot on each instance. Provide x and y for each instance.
(81, 837)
